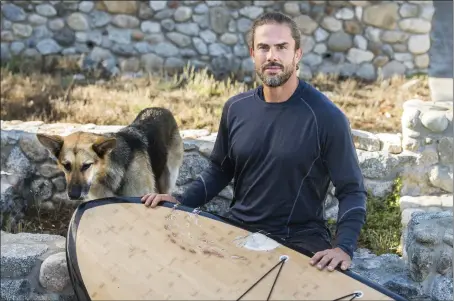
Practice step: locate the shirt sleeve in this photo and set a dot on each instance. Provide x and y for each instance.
(219, 173)
(341, 160)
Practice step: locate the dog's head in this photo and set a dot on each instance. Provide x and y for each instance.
(81, 156)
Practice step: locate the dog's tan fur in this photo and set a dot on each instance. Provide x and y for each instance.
(141, 158)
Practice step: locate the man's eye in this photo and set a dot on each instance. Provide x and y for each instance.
(85, 166)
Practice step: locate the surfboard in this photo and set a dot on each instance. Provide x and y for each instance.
(119, 249)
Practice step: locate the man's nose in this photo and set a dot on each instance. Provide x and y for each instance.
(272, 55)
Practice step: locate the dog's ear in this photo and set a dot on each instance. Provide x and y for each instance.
(53, 143)
(104, 145)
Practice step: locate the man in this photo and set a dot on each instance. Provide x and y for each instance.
(282, 143)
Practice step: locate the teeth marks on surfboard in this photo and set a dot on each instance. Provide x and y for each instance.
(101, 285)
(194, 293)
(212, 252)
(149, 293)
(172, 261)
(111, 229)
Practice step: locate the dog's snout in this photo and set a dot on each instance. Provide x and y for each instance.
(75, 192)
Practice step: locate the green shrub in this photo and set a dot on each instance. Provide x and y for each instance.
(382, 231)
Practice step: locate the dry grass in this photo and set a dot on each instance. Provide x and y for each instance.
(42, 221)
(195, 98)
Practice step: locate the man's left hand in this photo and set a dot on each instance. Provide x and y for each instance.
(333, 257)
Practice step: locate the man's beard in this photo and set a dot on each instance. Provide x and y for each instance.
(275, 80)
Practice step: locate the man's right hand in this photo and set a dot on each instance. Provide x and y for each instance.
(153, 199)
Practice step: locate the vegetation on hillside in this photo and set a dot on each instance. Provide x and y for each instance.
(382, 231)
(46, 91)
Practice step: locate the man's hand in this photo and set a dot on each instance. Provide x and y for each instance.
(153, 199)
(333, 257)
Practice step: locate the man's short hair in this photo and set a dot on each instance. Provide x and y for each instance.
(279, 18)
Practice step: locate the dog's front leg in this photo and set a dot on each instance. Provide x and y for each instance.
(99, 193)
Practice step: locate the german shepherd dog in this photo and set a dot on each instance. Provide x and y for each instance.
(142, 157)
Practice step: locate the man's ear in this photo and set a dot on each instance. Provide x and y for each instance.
(53, 143)
(104, 145)
(299, 55)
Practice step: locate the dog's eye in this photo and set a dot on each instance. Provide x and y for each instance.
(67, 166)
(85, 166)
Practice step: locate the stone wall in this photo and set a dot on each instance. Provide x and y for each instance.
(421, 157)
(33, 267)
(427, 130)
(426, 274)
(362, 38)
(30, 175)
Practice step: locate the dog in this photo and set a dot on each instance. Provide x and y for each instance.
(142, 157)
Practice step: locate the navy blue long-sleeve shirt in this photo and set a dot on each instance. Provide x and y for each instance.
(282, 157)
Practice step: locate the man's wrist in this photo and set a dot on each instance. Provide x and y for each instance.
(178, 198)
(348, 251)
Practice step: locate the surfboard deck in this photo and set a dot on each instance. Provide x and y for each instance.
(118, 249)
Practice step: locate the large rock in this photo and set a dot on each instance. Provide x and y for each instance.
(383, 165)
(121, 7)
(429, 233)
(34, 267)
(19, 259)
(425, 271)
(429, 250)
(53, 274)
(384, 15)
(387, 270)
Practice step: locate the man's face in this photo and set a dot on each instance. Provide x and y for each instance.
(274, 54)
